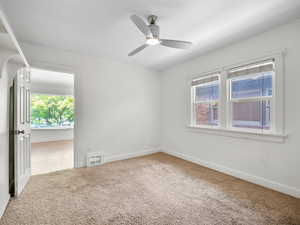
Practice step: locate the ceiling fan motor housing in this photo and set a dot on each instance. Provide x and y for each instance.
(152, 19)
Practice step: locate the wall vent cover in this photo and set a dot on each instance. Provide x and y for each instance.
(94, 159)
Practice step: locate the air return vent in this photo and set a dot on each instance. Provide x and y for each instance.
(94, 159)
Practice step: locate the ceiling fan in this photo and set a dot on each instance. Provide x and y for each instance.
(151, 32)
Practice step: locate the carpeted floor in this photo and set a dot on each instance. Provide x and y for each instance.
(156, 189)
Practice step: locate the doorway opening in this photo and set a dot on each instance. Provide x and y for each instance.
(52, 121)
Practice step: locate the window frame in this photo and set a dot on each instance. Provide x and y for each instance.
(277, 123)
(193, 100)
(231, 100)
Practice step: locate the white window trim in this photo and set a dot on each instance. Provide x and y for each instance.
(53, 128)
(231, 100)
(192, 108)
(277, 131)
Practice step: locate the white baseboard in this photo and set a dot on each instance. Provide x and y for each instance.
(129, 155)
(3, 205)
(239, 174)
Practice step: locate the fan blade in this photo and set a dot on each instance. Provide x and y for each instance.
(137, 50)
(176, 44)
(141, 25)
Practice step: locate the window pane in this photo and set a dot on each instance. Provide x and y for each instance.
(207, 92)
(52, 111)
(256, 86)
(254, 115)
(206, 114)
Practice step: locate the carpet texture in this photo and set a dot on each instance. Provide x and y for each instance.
(150, 190)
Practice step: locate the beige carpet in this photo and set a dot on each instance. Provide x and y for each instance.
(51, 156)
(155, 189)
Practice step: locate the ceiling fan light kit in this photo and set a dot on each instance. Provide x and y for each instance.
(151, 33)
(152, 41)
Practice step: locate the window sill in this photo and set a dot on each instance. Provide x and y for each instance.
(53, 128)
(269, 137)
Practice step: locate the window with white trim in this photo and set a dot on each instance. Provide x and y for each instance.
(242, 98)
(205, 101)
(250, 96)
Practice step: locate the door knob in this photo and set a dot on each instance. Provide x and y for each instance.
(21, 132)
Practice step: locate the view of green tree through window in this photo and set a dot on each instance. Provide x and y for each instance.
(49, 111)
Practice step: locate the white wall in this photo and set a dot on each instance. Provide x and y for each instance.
(272, 164)
(45, 135)
(117, 106)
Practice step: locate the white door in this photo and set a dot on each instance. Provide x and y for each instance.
(22, 134)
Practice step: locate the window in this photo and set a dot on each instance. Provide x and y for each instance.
(205, 97)
(244, 98)
(251, 96)
(52, 111)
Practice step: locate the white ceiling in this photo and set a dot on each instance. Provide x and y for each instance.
(51, 79)
(102, 27)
